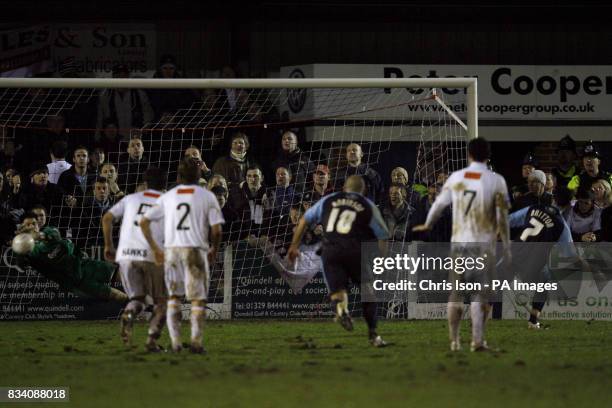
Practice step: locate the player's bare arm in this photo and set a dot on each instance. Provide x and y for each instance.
(298, 234)
(421, 228)
(107, 230)
(145, 226)
(215, 242)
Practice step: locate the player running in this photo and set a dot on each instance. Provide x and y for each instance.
(190, 214)
(479, 199)
(349, 219)
(540, 224)
(139, 274)
(56, 259)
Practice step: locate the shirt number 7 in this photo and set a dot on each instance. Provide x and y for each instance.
(472, 194)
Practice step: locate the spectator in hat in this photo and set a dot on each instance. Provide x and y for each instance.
(169, 101)
(566, 161)
(40, 191)
(584, 219)
(591, 161)
(415, 192)
(321, 184)
(58, 163)
(529, 165)
(536, 182)
(128, 108)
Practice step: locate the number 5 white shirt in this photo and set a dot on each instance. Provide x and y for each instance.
(472, 191)
(132, 244)
(188, 212)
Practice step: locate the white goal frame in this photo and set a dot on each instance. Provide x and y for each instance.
(223, 310)
(471, 84)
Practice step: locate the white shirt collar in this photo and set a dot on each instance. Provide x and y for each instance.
(477, 166)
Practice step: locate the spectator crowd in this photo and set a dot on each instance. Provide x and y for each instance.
(70, 182)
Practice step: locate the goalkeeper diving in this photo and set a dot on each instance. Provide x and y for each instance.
(56, 259)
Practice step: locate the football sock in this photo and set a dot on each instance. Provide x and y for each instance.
(174, 322)
(454, 311)
(157, 322)
(536, 308)
(369, 313)
(134, 306)
(340, 303)
(197, 322)
(477, 313)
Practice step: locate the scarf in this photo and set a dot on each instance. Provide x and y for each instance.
(256, 203)
(240, 157)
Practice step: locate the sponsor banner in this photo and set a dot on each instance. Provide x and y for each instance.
(261, 293)
(593, 302)
(27, 295)
(25, 51)
(505, 92)
(97, 48)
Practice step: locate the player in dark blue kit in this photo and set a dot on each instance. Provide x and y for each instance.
(542, 224)
(348, 219)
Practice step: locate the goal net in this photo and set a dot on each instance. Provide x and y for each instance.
(279, 146)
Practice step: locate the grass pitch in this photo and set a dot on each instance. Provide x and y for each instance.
(314, 364)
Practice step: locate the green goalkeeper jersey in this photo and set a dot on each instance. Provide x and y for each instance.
(54, 258)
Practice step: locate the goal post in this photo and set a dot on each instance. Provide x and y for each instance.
(437, 115)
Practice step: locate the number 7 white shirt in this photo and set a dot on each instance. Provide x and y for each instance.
(472, 192)
(188, 211)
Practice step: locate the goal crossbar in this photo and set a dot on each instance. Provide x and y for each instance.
(470, 84)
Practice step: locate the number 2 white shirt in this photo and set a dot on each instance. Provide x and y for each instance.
(472, 193)
(132, 244)
(188, 212)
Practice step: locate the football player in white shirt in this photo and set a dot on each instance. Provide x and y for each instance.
(190, 214)
(480, 202)
(139, 273)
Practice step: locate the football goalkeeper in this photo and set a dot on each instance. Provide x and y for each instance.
(56, 259)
